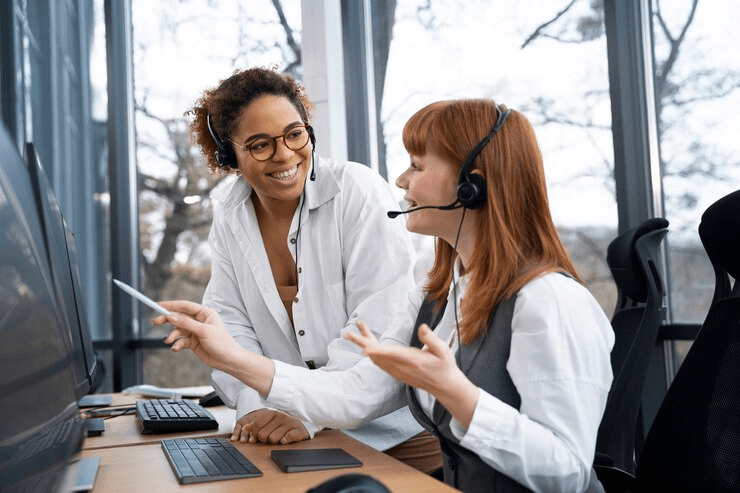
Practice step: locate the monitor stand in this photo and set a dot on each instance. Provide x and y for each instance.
(81, 474)
(95, 400)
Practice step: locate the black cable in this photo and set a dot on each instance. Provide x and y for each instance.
(108, 412)
(297, 234)
(454, 292)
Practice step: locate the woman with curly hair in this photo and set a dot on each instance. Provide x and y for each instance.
(301, 250)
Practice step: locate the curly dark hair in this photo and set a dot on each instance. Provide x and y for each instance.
(225, 102)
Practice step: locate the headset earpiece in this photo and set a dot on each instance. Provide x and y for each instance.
(311, 136)
(224, 154)
(471, 192)
(471, 188)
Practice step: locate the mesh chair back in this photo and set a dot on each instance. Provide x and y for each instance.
(694, 442)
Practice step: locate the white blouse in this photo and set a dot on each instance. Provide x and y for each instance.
(353, 262)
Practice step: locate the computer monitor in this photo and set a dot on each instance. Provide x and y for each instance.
(40, 427)
(61, 249)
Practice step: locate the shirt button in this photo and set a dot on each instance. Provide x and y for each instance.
(292, 240)
(300, 269)
(295, 300)
(301, 332)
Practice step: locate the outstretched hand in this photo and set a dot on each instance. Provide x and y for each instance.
(432, 369)
(201, 330)
(427, 368)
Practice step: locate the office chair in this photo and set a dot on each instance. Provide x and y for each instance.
(634, 260)
(350, 483)
(694, 442)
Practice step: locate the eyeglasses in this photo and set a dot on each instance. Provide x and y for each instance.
(264, 148)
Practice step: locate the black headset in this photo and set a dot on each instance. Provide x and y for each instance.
(471, 188)
(225, 156)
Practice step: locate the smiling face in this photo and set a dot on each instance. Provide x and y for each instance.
(279, 180)
(431, 180)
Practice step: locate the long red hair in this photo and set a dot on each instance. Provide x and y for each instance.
(516, 238)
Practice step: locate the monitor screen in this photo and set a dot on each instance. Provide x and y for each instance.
(61, 249)
(40, 425)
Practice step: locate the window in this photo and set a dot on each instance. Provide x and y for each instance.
(697, 85)
(547, 63)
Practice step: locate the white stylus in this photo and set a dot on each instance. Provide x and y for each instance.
(141, 297)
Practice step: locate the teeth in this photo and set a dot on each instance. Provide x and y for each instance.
(285, 175)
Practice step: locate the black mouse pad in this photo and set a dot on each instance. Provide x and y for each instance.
(313, 459)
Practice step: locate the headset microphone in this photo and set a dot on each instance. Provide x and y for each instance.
(448, 207)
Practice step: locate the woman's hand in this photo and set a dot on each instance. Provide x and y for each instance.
(421, 368)
(201, 330)
(269, 426)
(432, 369)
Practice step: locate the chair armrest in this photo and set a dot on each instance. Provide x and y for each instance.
(614, 480)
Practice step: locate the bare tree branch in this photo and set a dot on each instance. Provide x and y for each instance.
(288, 33)
(538, 32)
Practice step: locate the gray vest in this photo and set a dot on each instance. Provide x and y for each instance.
(484, 363)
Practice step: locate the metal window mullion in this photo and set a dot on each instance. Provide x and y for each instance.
(124, 241)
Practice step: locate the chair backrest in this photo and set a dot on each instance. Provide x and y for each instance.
(634, 260)
(694, 442)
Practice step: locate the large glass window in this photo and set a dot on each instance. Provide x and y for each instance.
(697, 85)
(182, 47)
(546, 59)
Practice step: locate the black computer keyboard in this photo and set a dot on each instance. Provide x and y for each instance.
(173, 415)
(195, 460)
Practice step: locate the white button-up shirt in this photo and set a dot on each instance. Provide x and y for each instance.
(353, 263)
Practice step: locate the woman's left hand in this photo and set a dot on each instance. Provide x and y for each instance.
(432, 368)
(427, 368)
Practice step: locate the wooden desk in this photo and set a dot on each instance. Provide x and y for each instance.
(130, 461)
(145, 468)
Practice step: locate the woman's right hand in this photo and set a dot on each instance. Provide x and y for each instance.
(201, 330)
